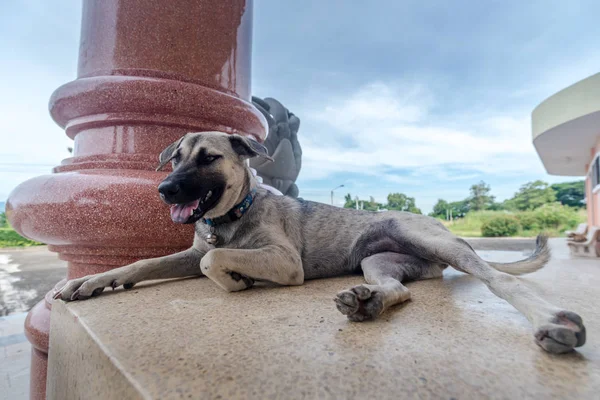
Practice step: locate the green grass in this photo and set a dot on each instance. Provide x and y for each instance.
(553, 221)
(10, 238)
(470, 225)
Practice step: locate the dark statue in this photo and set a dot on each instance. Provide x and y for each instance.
(283, 146)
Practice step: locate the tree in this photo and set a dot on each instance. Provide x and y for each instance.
(496, 206)
(507, 205)
(455, 209)
(3, 222)
(401, 202)
(533, 195)
(480, 198)
(396, 201)
(440, 209)
(372, 205)
(570, 193)
(349, 202)
(459, 208)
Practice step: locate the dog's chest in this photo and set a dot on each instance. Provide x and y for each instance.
(219, 236)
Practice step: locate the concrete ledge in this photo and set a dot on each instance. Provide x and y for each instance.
(81, 367)
(189, 339)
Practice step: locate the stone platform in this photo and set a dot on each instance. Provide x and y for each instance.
(455, 339)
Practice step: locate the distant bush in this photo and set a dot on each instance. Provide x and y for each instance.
(3, 222)
(557, 216)
(10, 238)
(501, 225)
(552, 219)
(529, 221)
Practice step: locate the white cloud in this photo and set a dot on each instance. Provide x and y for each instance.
(378, 101)
(385, 126)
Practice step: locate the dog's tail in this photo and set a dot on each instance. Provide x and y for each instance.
(535, 261)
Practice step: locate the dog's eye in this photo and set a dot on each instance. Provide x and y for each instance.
(207, 159)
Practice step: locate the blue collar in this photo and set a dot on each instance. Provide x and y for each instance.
(235, 213)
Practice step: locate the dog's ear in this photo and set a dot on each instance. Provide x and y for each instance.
(167, 154)
(248, 148)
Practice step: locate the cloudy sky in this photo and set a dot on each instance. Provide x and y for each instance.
(424, 98)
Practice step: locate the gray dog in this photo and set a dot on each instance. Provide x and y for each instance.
(244, 233)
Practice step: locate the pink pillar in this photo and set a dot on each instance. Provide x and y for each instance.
(149, 72)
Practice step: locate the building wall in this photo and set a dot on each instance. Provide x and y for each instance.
(589, 201)
(593, 199)
(595, 209)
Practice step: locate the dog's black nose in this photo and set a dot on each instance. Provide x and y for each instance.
(168, 189)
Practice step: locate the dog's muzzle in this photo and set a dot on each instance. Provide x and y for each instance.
(184, 210)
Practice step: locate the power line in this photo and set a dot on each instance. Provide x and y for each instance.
(28, 164)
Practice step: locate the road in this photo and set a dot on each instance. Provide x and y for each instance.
(26, 275)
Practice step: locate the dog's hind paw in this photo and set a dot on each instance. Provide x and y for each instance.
(564, 332)
(360, 303)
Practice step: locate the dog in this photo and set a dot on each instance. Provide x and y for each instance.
(243, 234)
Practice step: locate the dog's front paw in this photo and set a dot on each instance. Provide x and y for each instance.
(89, 286)
(230, 281)
(563, 332)
(249, 282)
(360, 303)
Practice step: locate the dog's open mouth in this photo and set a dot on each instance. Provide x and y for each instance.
(191, 212)
(181, 213)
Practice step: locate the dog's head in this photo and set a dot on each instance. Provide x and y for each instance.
(209, 174)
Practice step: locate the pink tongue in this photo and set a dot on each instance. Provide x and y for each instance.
(180, 213)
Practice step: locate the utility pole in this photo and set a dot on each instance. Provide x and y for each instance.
(335, 188)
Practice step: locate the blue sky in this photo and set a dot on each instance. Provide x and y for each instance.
(424, 98)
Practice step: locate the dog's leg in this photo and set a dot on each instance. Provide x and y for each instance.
(178, 265)
(236, 269)
(556, 330)
(384, 273)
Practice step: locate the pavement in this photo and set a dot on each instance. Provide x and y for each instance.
(15, 353)
(26, 275)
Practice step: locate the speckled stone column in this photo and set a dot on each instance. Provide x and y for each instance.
(149, 71)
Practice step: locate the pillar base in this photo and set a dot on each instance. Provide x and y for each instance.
(37, 330)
